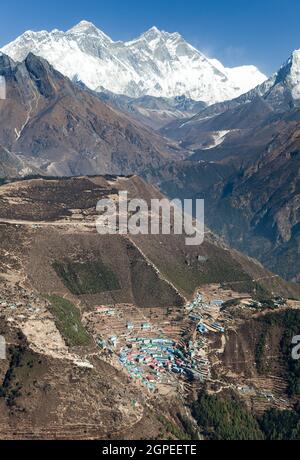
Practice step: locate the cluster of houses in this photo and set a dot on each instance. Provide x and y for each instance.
(195, 308)
(149, 360)
(23, 301)
(158, 360)
(197, 302)
(153, 361)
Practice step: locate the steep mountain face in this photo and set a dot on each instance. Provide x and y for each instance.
(60, 129)
(157, 63)
(253, 144)
(253, 201)
(282, 91)
(264, 203)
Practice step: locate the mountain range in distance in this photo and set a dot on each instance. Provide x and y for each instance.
(157, 63)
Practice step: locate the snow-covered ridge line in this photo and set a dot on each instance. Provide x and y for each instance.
(157, 63)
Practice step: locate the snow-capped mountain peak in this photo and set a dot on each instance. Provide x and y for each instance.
(283, 88)
(88, 28)
(152, 32)
(83, 27)
(157, 63)
(293, 75)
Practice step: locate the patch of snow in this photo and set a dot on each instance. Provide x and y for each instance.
(245, 76)
(218, 139)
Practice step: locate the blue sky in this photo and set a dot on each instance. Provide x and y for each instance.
(260, 32)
